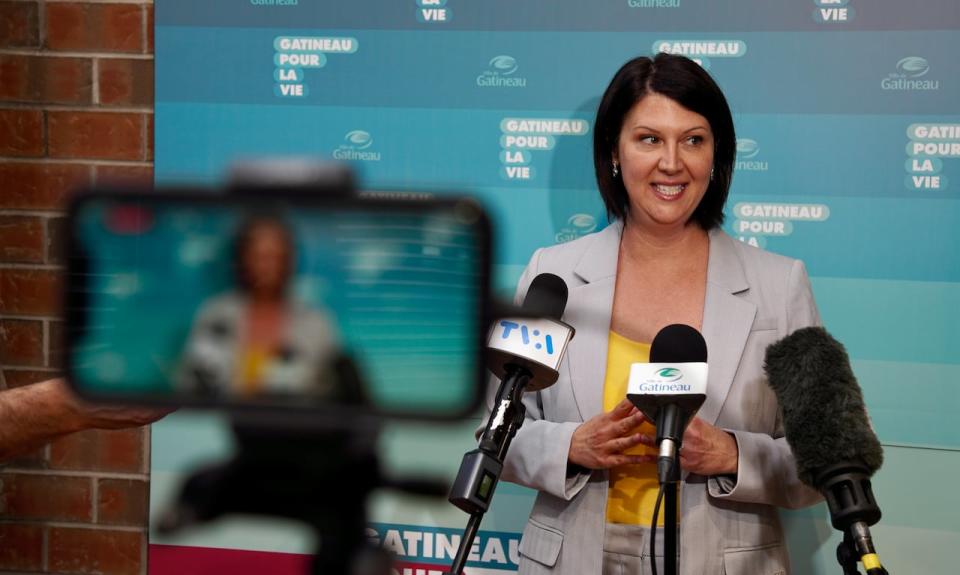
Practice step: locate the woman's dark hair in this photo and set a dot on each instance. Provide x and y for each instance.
(685, 82)
(244, 236)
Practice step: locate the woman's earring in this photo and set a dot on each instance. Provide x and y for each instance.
(711, 174)
(616, 169)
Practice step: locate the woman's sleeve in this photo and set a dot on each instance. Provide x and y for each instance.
(767, 471)
(537, 457)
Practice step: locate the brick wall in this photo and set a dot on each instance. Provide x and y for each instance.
(76, 107)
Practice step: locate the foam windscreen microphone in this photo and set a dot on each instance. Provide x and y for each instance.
(826, 425)
(824, 417)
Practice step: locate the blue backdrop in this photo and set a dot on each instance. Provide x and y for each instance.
(849, 142)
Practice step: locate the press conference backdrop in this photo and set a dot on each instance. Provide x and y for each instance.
(848, 156)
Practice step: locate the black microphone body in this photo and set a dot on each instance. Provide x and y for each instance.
(826, 425)
(524, 353)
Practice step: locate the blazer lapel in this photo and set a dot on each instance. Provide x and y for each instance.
(727, 320)
(591, 305)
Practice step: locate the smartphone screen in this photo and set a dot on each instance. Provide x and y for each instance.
(295, 302)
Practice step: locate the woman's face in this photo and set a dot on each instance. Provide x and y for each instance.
(666, 155)
(266, 259)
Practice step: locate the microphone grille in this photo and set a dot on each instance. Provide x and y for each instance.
(546, 297)
(824, 417)
(678, 343)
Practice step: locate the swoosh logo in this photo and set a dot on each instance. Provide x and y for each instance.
(747, 148)
(505, 65)
(583, 222)
(669, 373)
(359, 139)
(913, 66)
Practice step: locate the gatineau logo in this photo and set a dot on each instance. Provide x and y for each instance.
(747, 160)
(355, 146)
(501, 72)
(911, 75)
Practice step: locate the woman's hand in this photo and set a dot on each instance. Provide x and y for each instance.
(708, 450)
(600, 441)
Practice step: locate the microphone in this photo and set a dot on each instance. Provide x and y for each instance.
(826, 425)
(535, 342)
(670, 389)
(524, 353)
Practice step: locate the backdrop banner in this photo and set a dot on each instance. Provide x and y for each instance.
(848, 157)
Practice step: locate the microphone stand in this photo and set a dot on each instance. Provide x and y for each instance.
(670, 535)
(320, 477)
(480, 469)
(853, 509)
(670, 426)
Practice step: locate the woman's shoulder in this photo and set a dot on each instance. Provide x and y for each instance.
(757, 259)
(771, 277)
(563, 258)
(571, 248)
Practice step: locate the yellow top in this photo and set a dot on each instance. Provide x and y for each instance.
(633, 488)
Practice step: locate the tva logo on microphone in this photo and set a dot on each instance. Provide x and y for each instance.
(536, 343)
(524, 332)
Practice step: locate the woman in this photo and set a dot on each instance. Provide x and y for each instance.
(257, 340)
(664, 148)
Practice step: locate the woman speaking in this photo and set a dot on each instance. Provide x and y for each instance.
(664, 148)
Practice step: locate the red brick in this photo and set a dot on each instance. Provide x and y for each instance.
(19, 25)
(21, 133)
(21, 547)
(15, 76)
(30, 292)
(79, 26)
(21, 377)
(95, 551)
(21, 239)
(138, 176)
(21, 342)
(125, 82)
(56, 238)
(95, 135)
(150, 135)
(150, 48)
(46, 497)
(35, 460)
(43, 79)
(123, 502)
(96, 450)
(29, 186)
(55, 344)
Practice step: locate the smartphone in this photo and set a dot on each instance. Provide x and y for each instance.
(288, 302)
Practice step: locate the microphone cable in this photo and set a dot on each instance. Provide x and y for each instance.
(653, 531)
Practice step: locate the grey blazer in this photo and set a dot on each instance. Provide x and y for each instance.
(728, 524)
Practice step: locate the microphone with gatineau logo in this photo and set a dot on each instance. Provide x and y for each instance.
(670, 389)
(524, 352)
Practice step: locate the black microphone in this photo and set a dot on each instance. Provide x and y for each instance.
(826, 425)
(524, 353)
(670, 389)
